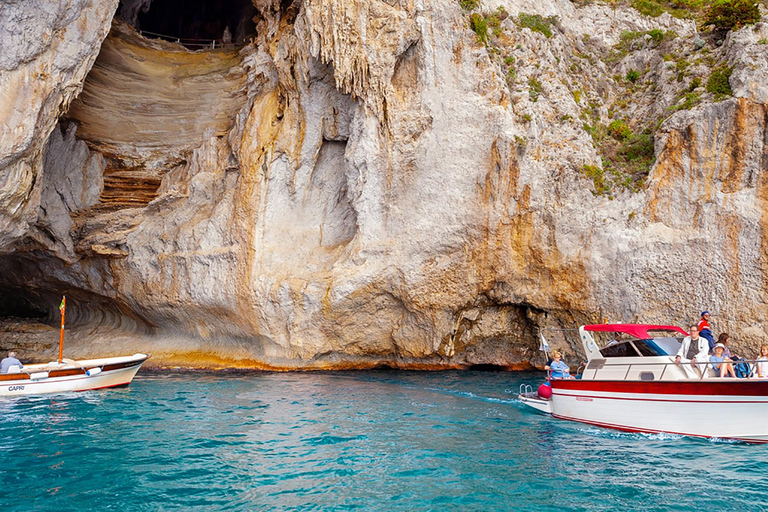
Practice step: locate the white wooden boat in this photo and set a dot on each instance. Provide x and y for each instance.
(69, 375)
(66, 375)
(635, 386)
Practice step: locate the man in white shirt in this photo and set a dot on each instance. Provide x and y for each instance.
(694, 349)
(9, 361)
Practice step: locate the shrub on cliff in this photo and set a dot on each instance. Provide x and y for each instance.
(718, 83)
(729, 14)
(619, 130)
(537, 23)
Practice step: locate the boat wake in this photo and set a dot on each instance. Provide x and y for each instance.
(469, 394)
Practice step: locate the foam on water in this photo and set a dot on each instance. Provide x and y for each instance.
(338, 441)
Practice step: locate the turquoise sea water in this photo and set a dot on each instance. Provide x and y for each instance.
(349, 441)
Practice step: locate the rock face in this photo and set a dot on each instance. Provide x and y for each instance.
(365, 184)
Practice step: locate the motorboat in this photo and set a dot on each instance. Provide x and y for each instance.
(70, 375)
(632, 383)
(65, 375)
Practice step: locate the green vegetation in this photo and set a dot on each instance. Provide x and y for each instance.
(597, 176)
(527, 118)
(633, 40)
(718, 82)
(677, 8)
(619, 130)
(537, 23)
(469, 5)
(480, 23)
(728, 14)
(691, 100)
(534, 89)
(479, 26)
(633, 75)
(695, 84)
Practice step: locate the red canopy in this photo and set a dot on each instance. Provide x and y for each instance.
(636, 330)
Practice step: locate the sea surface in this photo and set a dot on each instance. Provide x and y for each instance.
(379, 440)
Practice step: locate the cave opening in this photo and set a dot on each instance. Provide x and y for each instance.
(193, 23)
(18, 303)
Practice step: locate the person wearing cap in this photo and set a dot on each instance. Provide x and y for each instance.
(10, 361)
(693, 350)
(724, 367)
(705, 330)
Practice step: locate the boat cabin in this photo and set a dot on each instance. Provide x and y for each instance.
(632, 352)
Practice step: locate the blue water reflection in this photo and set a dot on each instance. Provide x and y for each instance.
(350, 440)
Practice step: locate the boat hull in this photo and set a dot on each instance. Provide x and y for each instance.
(76, 376)
(726, 409)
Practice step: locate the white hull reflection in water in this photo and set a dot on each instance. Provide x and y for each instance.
(377, 441)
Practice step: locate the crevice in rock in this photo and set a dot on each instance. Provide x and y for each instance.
(127, 187)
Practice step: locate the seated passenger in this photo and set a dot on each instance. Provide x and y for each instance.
(693, 350)
(761, 367)
(558, 369)
(724, 367)
(10, 361)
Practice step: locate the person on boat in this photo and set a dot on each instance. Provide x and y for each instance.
(694, 349)
(723, 340)
(761, 367)
(721, 364)
(10, 361)
(557, 368)
(705, 330)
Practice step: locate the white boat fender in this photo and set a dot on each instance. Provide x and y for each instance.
(38, 375)
(93, 371)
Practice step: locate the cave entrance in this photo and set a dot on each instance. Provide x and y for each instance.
(193, 23)
(18, 303)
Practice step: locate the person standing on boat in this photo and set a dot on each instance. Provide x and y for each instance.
(694, 349)
(10, 361)
(705, 330)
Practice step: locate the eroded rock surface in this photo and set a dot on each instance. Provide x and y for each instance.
(366, 184)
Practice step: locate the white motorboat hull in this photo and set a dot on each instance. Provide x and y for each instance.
(72, 376)
(532, 399)
(715, 408)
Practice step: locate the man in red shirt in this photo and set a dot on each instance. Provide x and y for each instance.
(705, 331)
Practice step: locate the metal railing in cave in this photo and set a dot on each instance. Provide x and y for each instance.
(189, 42)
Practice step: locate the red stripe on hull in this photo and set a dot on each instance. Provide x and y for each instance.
(644, 399)
(123, 385)
(625, 428)
(734, 387)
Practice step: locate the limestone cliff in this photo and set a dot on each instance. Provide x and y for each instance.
(366, 183)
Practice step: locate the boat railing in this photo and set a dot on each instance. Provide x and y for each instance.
(701, 366)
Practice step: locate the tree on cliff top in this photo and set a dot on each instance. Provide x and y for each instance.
(729, 14)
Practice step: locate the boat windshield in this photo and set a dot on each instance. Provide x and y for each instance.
(641, 348)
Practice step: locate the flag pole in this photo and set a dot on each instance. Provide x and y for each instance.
(62, 308)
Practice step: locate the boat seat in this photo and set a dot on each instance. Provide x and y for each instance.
(14, 369)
